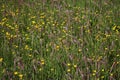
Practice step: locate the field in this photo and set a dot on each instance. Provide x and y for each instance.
(59, 40)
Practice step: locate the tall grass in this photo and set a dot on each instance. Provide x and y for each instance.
(59, 40)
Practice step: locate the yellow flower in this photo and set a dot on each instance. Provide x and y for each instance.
(106, 48)
(107, 35)
(102, 77)
(79, 50)
(94, 71)
(117, 55)
(42, 62)
(57, 47)
(20, 76)
(68, 70)
(7, 34)
(36, 26)
(15, 73)
(28, 28)
(114, 27)
(30, 49)
(64, 31)
(52, 69)
(111, 74)
(118, 62)
(103, 70)
(88, 31)
(43, 23)
(1, 59)
(68, 64)
(33, 22)
(93, 74)
(47, 50)
(75, 65)
(16, 46)
(26, 47)
(30, 55)
(98, 79)
(40, 69)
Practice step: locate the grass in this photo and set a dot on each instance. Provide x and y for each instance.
(59, 40)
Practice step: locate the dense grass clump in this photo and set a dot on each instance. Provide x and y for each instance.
(59, 40)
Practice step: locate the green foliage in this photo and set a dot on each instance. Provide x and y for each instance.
(59, 39)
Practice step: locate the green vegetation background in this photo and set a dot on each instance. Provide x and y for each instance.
(59, 39)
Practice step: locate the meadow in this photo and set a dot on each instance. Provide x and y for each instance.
(59, 40)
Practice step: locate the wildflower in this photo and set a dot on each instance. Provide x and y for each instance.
(106, 48)
(51, 69)
(28, 28)
(1, 59)
(98, 79)
(47, 50)
(16, 46)
(114, 27)
(15, 73)
(88, 31)
(68, 64)
(99, 58)
(20, 76)
(117, 55)
(93, 74)
(33, 22)
(75, 65)
(94, 71)
(102, 77)
(64, 31)
(4, 19)
(43, 23)
(30, 49)
(30, 55)
(7, 34)
(103, 70)
(111, 74)
(36, 26)
(79, 50)
(40, 69)
(13, 52)
(118, 62)
(27, 38)
(42, 62)
(107, 35)
(57, 47)
(26, 47)
(68, 70)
